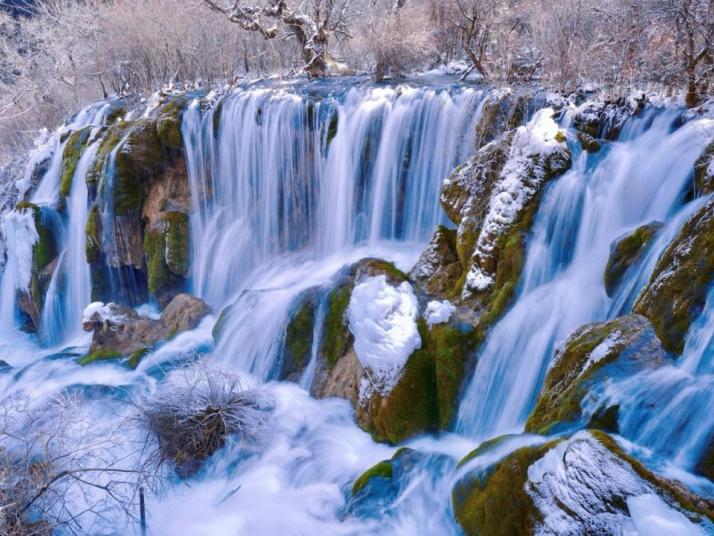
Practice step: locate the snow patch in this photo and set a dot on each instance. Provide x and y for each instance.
(574, 486)
(382, 319)
(603, 349)
(20, 236)
(102, 312)
(519, 181)
(438, 312)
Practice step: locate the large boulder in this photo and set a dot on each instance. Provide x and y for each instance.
(677, 290)
(583, 485)
(119, 331)
(502, 110)
(593, 354)
(627, 251)
(606, 118)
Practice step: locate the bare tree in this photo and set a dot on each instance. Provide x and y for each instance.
(58, 472)
(312, 28)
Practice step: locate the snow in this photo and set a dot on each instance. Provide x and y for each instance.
(602, 350)
(519, 181)
(382, 319)
(18, 229)
(573, 486)
(438, 312)
(105, 312)
(651, 516)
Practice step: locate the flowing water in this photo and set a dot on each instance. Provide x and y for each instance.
(290, 184)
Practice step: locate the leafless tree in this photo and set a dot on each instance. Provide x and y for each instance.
(312, 27)
(57, 471)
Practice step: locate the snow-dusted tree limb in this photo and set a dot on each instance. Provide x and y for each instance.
(312, 29)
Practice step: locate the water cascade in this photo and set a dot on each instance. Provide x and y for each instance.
(291, 184)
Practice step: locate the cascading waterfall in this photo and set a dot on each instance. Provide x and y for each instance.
(600, 199)
(289, 172)
(291, 184)
(70, 288)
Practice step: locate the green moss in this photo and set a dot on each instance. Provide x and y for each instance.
(168, 123)
(337, 338)
(681, 279)
(93, 230)
(383, 469)
(136, 357)
(98, 355)
(496, 503)
(116, 113)
(606, 419)
(560, 137)
(588, 143)
(299, 333)
(109, 142)
(374, 267)
(402, 414)
(483, 448)
(73, 149)
(157, 271)
(332, 129)
(625, 252)
(676, 493)
(177, 242)
(450, 347)
(561, 396)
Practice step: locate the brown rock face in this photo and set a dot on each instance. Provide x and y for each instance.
(120, 331)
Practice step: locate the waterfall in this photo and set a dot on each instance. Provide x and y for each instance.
(603, 197)
(274, 171)
(70, 288)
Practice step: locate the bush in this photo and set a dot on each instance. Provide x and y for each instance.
(195, 413)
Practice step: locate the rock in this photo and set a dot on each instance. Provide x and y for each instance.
(75, 145)
(299, 335)
(593, 354)
(44, 262)
(605, 119)
(626, 251)
(119, 331)
(502, 110)
(704, 171)
(344, 379)
(583, 485)
(4, 367)
(438, 268)
(495, 502)
(589, 144)
(677, 290)
(184, 313)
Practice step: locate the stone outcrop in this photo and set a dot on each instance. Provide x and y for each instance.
(593, 354)
(119, 331)
(677, 290)
(627, 251)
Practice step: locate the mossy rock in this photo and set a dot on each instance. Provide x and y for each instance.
(116, 112)
(371, 267)
(704, 171)
(98, 355)
(220, 324)
(157, 270)
(168, 122)
(383, 469)
(484, 448)
(336, 339)
(299, 335)
(178, 251)
(501, 112)
(495, 502)
(45, 249)
(589, 143)
(436, 372)
(677, 290)
(705, 464)
(627, 251)
(438, 267)
(76, 143)
(136, 357)
(112, 137)
(93, 230)
(672, 491)
(593, 354)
